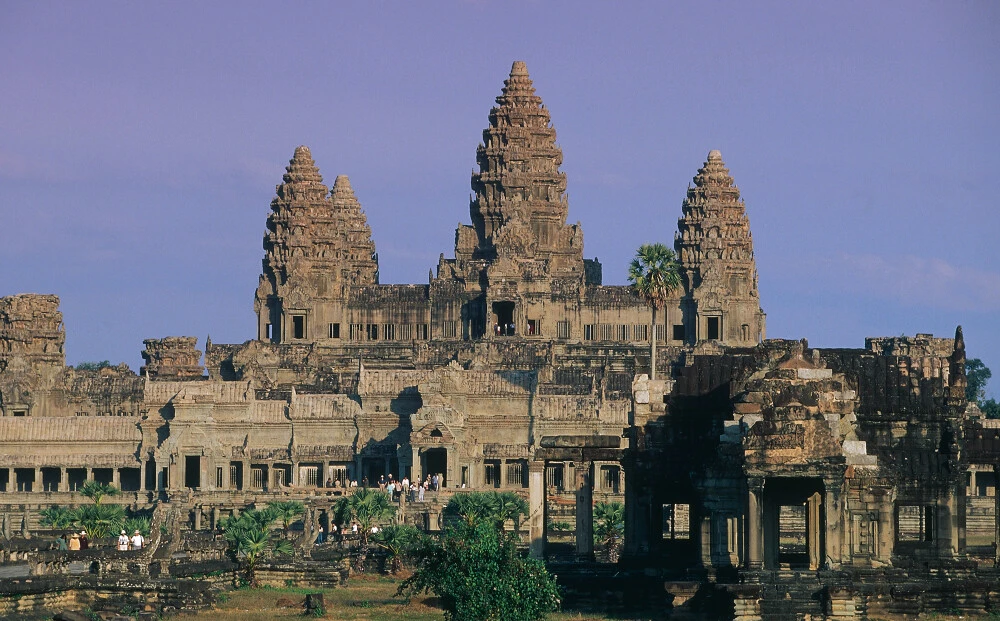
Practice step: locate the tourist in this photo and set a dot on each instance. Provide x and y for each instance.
(321, 537)
(381, 482)
(364, 482)
(354, 529)
(420, 492)
(84, 540)
(389, 489)
(354, 483)
(435, 481)
(74, 542)
(123, 542)
(137, 541)
(60, 543)
(329, 482)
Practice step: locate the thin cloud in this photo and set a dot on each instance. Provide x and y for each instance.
(931, 282)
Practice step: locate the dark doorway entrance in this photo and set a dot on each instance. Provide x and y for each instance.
(373, 468)
(793, 523)
(192, 471)
(436, 462)
(503, 318)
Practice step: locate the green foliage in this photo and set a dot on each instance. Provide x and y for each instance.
(93, 366)
(250, 540)
(495, 507)
(368, 507)
(101, 521)
(609, 527)
(397, 540)
(977, 374)
(98, 491)
(141, 524)
(478, 575)
(990, 407)
(654, 273)
(58, 517)
(286, 511)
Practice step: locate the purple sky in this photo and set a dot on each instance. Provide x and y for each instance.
(140, 144)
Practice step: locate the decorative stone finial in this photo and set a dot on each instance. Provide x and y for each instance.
(519, 68)
(341, 183)
(715, 155)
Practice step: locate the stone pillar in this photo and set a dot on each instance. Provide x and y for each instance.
(755, 529)
(503, 474)
(11, 481)
(834, 523)
(813, 531)
(36, 485)
(116, 477)
(142, 474)
(536, 509)
(246, 474)
(416, 473)
(585, 509)
(706, 541)
(294, 482)
(90, 474)
(215, 518)
(197, 517)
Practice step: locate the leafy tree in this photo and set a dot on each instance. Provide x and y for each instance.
(286, 511)
(141, 524)
(495, 507)
(654, 273)
(477, 573)
(990, 407)
(93, 366)
(368, 507)
(250, 540)
(609, 527)
(977, 375)
(101, 521)
(58, 517)
(97, 491)
(396, 540)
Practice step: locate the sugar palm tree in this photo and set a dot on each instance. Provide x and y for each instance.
(396, 540)
(654, 273)
(249, 538)
(96, 491)
(609, 527)
(367, 507)
(286, 511)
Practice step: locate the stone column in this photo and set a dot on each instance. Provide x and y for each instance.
(755, 529)
(834, 523)
(197, 517)
(246, 475)
(536, 508)
(215, 518)
(11, 481)
(294, 482)
(90, 474)
(64, 479)
(585, 509)
(503, 474)
(813, 531)
(36, 485)
(116, 477)
(416, 473)
(706, 541)
(142, 474)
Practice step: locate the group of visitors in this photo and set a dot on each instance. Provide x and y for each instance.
(337, 483)
(80, 541)
(500, 329)
(413, 491)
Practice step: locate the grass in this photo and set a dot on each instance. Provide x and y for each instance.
(365, 598)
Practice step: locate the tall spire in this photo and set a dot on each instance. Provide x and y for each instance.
(519, 205)
(356, 249)
(715, 249)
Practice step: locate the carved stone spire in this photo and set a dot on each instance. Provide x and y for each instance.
(358, 261)
(316, 245)
(715, 249)
(519, 208)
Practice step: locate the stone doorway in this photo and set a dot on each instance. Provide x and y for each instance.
(503, 318)
(794, 523)
(435, 461)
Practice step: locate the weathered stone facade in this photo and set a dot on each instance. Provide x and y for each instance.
(514, 367)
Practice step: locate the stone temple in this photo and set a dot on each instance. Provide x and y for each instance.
(765, 469)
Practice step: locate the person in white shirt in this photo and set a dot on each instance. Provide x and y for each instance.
(137, 541)
(123, 542)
